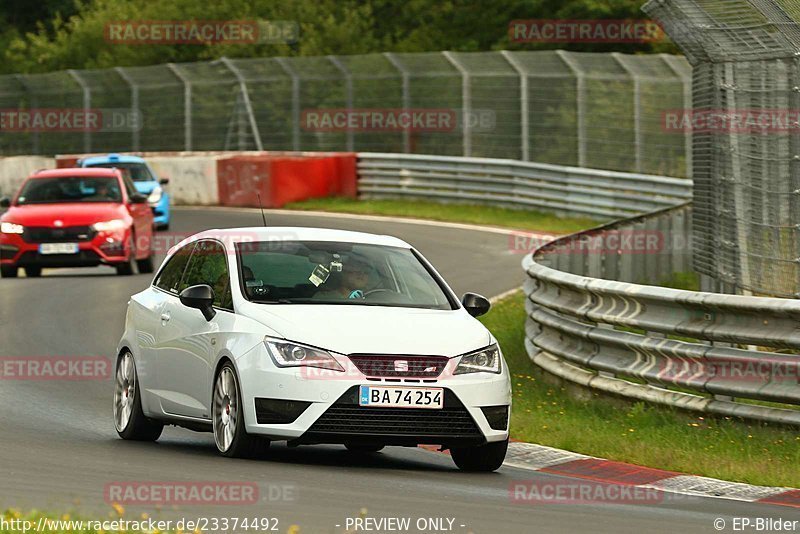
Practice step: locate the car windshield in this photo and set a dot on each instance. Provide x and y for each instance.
(311, 272)
(70, 189)
(139, 172)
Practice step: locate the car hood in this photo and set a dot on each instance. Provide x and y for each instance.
(354, 329)
(78, 214)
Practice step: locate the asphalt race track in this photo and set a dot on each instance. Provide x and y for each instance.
(59, 450)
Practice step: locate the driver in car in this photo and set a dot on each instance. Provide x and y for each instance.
(348, 284)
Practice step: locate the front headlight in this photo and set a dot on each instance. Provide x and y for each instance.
(155, 195)
(483, 361)
(109, 226)
(11, 228)
(288, 354)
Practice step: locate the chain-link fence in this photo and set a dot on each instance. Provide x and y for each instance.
(589, 110)
(746, 59)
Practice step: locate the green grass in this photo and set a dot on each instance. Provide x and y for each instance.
(642, 434)
(463, 213)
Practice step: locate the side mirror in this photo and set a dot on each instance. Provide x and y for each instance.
(164, 181)
(138, 198)
(5, 202)
(476, 305)
(200, 297)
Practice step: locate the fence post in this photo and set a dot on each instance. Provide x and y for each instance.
(794, 158)
(287, 68)
(686, 82)
(466, 104)
(187, 106)
(637, 107)
(580, 103)
(246, 98)
(524, 104)
(406, 81)
(34, 103)
(87, 105)
(348, 89)
(134, 106)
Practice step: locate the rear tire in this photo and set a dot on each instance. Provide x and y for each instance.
(363, 449)
(33, 272)
(129, 419)
(8, 271)
(483, 458)
(227, 416)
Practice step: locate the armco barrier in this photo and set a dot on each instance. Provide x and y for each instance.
(280, 179)
(212, 178)
(511, 183)
(653, 343)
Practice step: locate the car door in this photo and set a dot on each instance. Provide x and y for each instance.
(149, 309)
(187, 341)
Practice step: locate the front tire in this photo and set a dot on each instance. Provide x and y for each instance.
(483, 458)
(145, 266)
(129, 419)
(126, 269)
(227, 415)
(33, 272)
(7, 271)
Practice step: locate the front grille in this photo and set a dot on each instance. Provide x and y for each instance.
(399, 366)
(347, 418)
(67, 234)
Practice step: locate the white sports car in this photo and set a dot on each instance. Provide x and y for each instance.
(311, 336)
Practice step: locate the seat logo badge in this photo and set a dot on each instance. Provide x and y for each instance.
(401, 366)
(58, 224)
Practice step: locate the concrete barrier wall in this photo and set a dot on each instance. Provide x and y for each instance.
(282, 179)
(192, 179)
(14, 170)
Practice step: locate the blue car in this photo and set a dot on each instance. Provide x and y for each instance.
(144, 179)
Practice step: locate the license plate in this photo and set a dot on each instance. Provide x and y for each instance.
(58, 248)
(401, 397)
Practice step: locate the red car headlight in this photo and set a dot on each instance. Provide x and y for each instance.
(109, 226)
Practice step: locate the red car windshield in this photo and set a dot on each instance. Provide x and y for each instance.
(70, 189)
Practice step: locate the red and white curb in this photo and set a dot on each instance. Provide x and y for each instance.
(569, 464)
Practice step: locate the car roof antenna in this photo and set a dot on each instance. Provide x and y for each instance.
(260, 205)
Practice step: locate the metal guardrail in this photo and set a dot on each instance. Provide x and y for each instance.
(709, 352)
(512, 183)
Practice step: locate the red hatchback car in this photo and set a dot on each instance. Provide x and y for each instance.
(76, 218)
